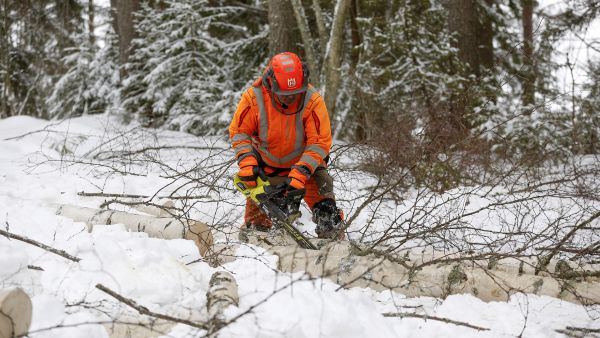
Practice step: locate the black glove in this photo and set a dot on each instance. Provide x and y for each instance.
(293, 198)
(288, 198)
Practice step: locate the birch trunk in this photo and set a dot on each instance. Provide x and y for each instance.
(15, 312)
(156, 227)
(333, 57)
(306, 39)
(340, 263)
(320, 28)
(222, 292)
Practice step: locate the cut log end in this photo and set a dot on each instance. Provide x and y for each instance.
(15, 312)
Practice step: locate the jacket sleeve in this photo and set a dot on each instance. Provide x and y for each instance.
(318, 135)
(243, 126)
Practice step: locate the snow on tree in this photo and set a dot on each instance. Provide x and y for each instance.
(89, 85)
(179, 75)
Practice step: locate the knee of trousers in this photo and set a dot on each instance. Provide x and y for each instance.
(319, 187)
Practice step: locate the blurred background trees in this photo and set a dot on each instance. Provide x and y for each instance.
(440, 84)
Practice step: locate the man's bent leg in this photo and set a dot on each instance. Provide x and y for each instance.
(321, 200)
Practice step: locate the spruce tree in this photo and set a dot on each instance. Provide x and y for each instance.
(90, 83)
(180, 74)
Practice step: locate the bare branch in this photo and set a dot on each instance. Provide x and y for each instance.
(145, 311)
(43, 246)
(440, 319)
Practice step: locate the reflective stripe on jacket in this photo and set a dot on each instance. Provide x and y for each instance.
(282, 140)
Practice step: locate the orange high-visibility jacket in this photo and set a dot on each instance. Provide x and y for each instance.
(281, 140)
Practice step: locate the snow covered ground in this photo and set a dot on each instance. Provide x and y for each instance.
(45, 164)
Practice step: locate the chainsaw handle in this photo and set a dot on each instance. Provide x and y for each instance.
(260, 173)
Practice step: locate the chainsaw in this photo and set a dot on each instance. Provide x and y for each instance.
(264, 195)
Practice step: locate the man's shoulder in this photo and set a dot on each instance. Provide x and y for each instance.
(250, 91)
(315, 97)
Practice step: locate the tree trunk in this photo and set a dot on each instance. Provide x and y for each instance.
(6, 60)
(15, 312)
(114, 18)
(381, 272)
(155, 227)
(282, 35)
(320, 28)
(486, 36)
(333, 57)
(306, 39)
(361, 115)
(474, 37)
(463, 20)
(528, 57)
(91, 26)
(125, 10)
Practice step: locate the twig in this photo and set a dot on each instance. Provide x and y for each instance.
(101, 194)
(144, 310)
(572, 331)
(61, 253)
(568, 236)
(34, 267)
(440, 319)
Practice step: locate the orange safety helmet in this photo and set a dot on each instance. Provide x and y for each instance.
(286, 75)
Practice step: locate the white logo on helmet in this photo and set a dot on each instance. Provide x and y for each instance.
(291, 82)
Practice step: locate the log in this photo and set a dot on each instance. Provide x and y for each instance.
(155, 227)
(342, 264)
(15, 312)
(222, 292)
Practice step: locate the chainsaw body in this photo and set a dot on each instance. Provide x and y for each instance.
(264, 195)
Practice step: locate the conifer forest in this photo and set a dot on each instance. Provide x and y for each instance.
(443, 175)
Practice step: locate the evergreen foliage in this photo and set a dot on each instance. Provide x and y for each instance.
(407, 87)
(408, 70)
(90, 83)
(184, 74)
(35, 36)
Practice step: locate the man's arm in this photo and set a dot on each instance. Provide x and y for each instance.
(243, 125)
(241, 129)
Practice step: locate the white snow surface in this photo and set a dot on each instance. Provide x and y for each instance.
(169, 276)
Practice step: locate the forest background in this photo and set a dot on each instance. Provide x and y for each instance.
(433, 84)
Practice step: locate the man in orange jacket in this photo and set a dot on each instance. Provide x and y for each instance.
(282, 126)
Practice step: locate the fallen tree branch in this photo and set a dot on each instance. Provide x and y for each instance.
(99, 322)
(43, 246)
(572, 331)
(101, 194)
(546, 259)
(145, 311)
(440, 319)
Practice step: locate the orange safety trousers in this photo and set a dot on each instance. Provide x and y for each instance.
(318, 187)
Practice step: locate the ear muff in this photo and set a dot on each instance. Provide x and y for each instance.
(267, 78)
(305, 73)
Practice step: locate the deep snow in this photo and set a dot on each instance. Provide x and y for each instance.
(168, 276)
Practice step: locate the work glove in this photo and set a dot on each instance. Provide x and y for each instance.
(295, 189)
(248, 171)
(293, 198)
(298, 177)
